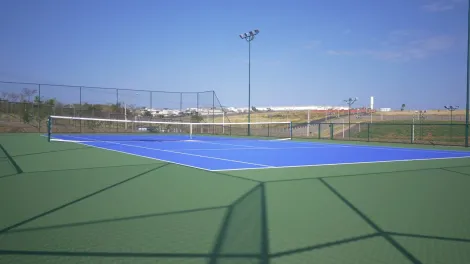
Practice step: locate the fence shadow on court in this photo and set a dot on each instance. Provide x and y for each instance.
(242, 236)
(52, 151)
(238, 238)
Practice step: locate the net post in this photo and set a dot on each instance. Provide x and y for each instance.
(190, 131)
(290, 128)
(49, 128)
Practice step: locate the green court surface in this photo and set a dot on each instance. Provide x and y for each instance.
(69, 203)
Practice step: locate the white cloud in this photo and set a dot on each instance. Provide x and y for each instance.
(404, 46)
(312, 44)
(441, 5)
(340, 52)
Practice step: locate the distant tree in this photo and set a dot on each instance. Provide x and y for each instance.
(254, 109)
(27, 93)
(196, 117)
(93, 107)
(51, 102)
(403, 107)
(14, 97)
(131, 108)
(147, 113)
(116, 107)
(4, 95)
(27, 116)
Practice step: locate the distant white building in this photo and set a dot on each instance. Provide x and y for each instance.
(219, 111)
(301, 108)
(385, 109)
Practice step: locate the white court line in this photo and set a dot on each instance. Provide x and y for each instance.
(348, 163)
(254, 148)
(223, 144)
(176, 152)
(377, 147)
(137, 155)
(278, 167)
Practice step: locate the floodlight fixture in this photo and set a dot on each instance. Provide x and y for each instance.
(350, 101)
(451, 108)
(249, 35)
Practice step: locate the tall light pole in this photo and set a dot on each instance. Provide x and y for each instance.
(451, 109)
(350, 102)
(250, 36)
(467, 98)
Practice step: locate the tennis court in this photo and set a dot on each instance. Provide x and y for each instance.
(224, 154)
(117, 198)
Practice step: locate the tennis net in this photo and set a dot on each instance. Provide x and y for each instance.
(81, 129)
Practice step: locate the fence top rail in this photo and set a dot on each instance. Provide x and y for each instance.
(97, 87)
(381, 124)
(31, 83)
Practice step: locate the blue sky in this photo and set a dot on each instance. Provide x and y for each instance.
(307, 52)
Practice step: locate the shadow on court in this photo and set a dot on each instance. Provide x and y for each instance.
(242, 237)
(385, 213)
(52, 151)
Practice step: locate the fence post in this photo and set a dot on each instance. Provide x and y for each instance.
(197, 102)
(368, 132)
(331, 131)
(290, 128)
(308, 123)
(80, 109)
(39, 109)
(49, 128)
(412, 133)
(213, 114)
(181, 101)
(319, 130)
(118, 106)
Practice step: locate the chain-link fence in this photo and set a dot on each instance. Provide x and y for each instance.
(433, 133)
(24, 107)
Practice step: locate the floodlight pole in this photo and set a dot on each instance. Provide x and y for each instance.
(250, 36)
(467, 98)
(451, 109)
(350, 102)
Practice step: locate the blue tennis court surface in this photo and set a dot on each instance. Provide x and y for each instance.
(239, 154)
